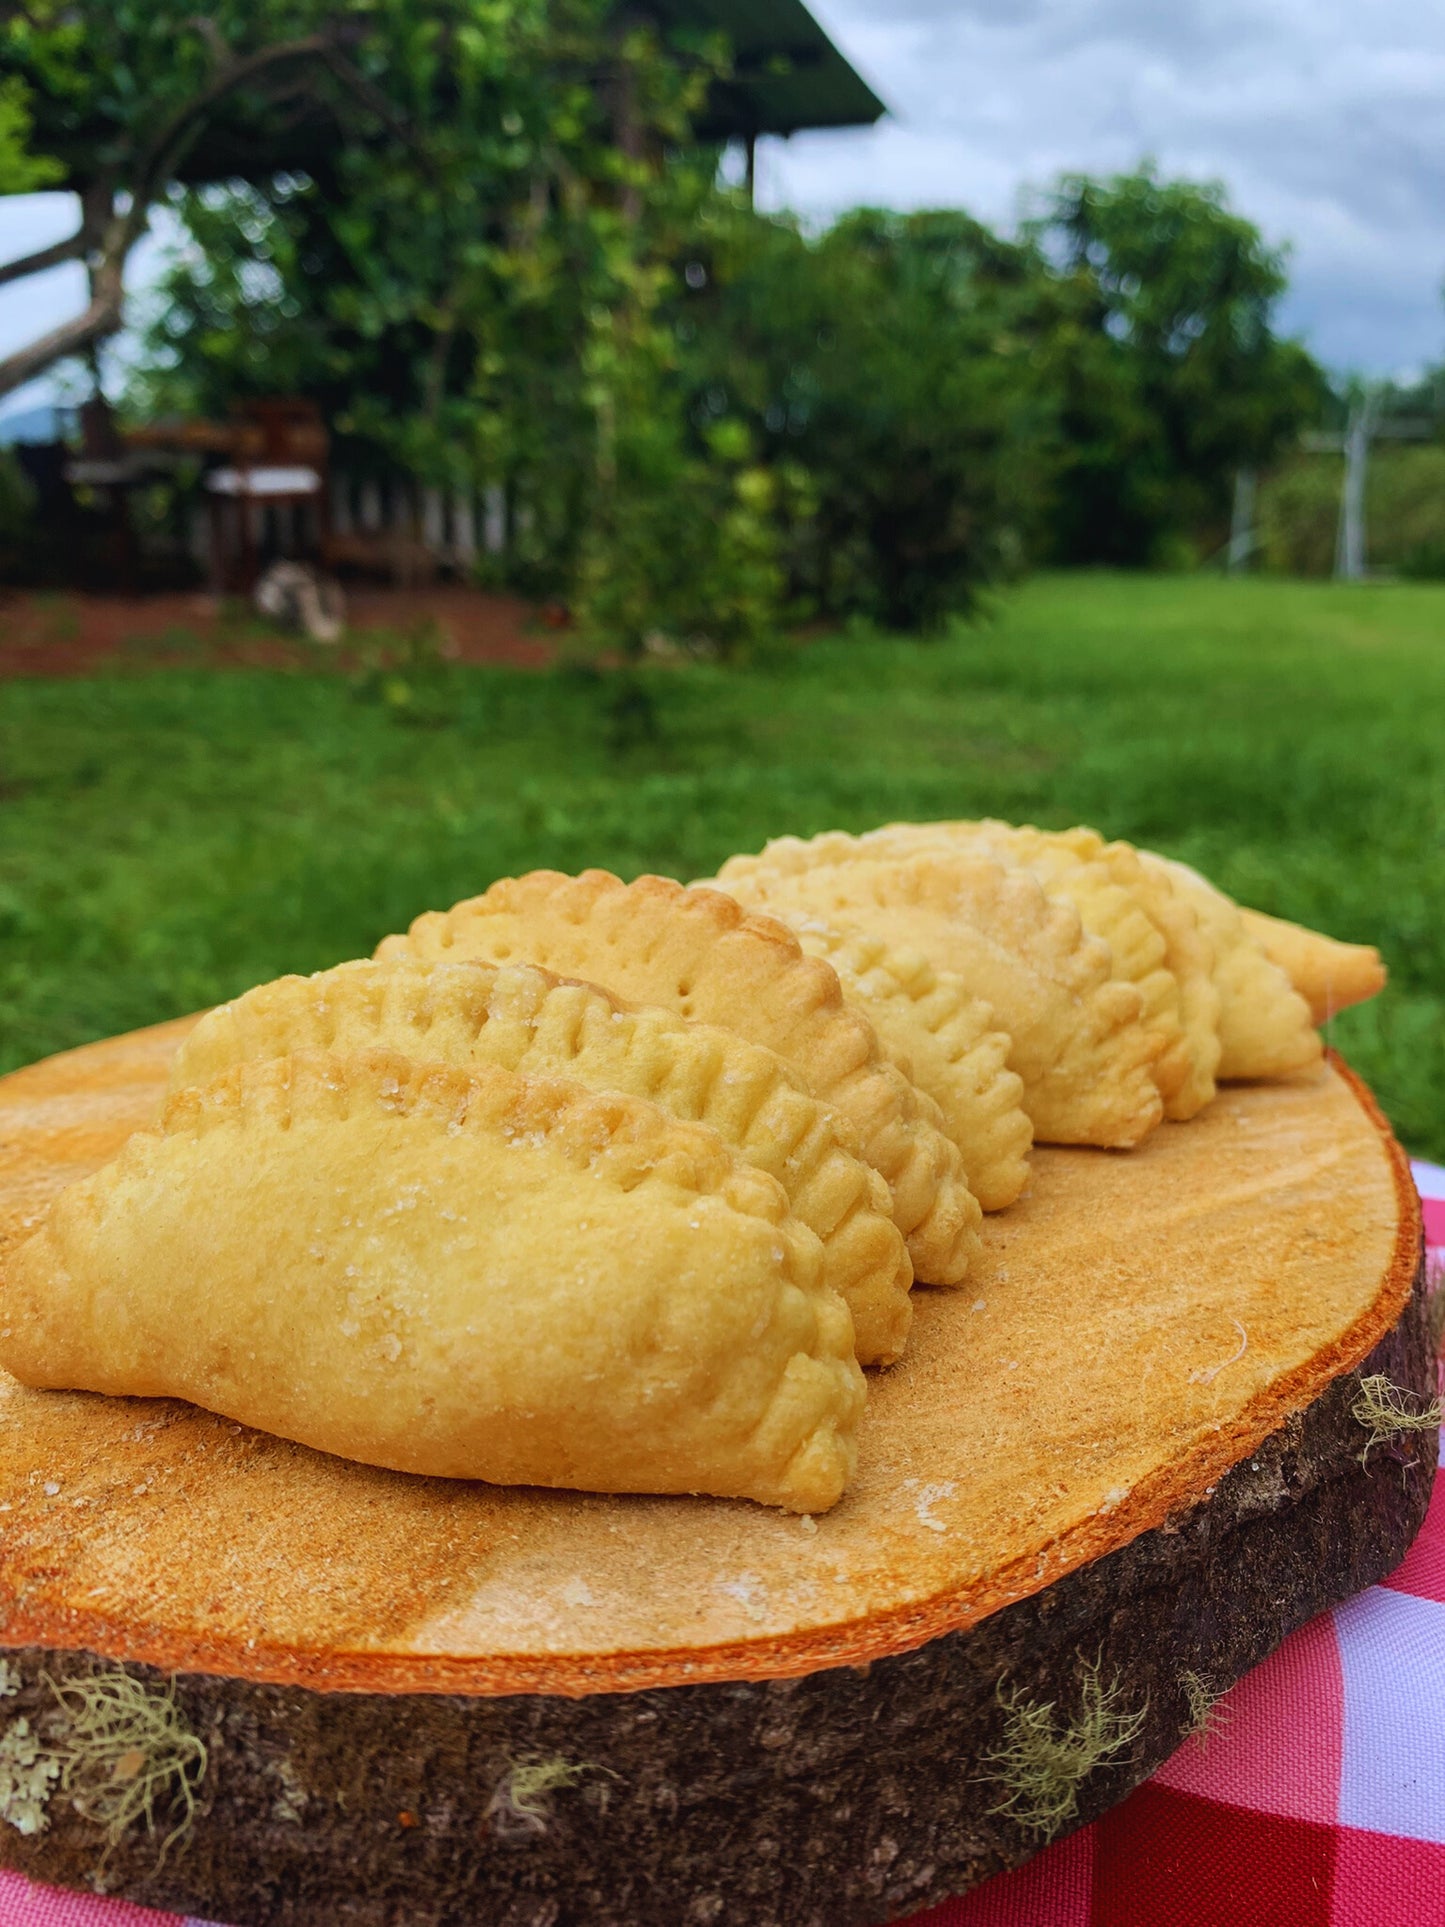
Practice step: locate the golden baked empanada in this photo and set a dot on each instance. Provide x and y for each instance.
(946, 1041)
(1265, 1026)
(527, 1020)
(1328, 974)
(1136, 945)
(1188, 955)
(1201, 929)
(694, 951)
(466, 1274)
(1078, 1043)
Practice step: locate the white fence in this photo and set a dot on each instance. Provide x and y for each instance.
(387, 525)
(453, 526)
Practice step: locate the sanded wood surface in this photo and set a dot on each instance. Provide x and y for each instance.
(1138, 1325)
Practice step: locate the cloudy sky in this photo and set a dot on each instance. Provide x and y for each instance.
(1324, 118)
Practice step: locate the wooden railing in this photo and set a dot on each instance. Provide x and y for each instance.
(374, 517)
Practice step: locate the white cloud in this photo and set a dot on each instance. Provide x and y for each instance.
(1321, 116)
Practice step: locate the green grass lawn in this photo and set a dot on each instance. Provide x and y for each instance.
(170, 836)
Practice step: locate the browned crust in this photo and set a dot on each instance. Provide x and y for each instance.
(858, 1643)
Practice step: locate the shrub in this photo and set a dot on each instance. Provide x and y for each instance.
(1299, 510)
(890, 360)
(682, 551)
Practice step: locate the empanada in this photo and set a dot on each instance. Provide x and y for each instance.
(1328, 974)
(1136, 946)
(465, 1274)
(1078, 1043)
(946, 1041)
(527, 1020)
(1188, 954)
(1255, 1024)
(694, 951)
(1265, 1026)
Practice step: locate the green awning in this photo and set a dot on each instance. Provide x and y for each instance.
(787, 72)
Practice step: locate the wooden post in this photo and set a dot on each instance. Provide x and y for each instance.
(1241, 527)
(464, 529)
(341, 517)
(246, 509)
(433, 523)
(494, 518)
(627, 130)
(198, 538)
(1350, 540)
(217, 572)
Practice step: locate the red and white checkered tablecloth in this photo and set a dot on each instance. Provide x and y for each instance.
(1318, 1802)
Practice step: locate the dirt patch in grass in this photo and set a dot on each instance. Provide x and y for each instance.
(75, 635)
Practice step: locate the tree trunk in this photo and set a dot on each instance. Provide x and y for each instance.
(114, 236)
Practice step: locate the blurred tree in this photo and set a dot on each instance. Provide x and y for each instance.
(1169, 372)
(22, 171)
(119, 92)
(500, 309)
(698, 411)
(135, 100)
(893, 359)
(887, 417)
(399, 287)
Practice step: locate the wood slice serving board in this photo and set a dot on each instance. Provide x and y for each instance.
(1126, 1445)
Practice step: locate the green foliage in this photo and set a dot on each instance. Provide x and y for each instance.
(167, 839)
(1170, 372)
(676, 541)
(392, 169)
(495, 306)
(128, 91)
(438, 223)
(21, 170)
(889, 360)
(1299, 511)
(681, 552)
(701, 415)
(375, 279)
